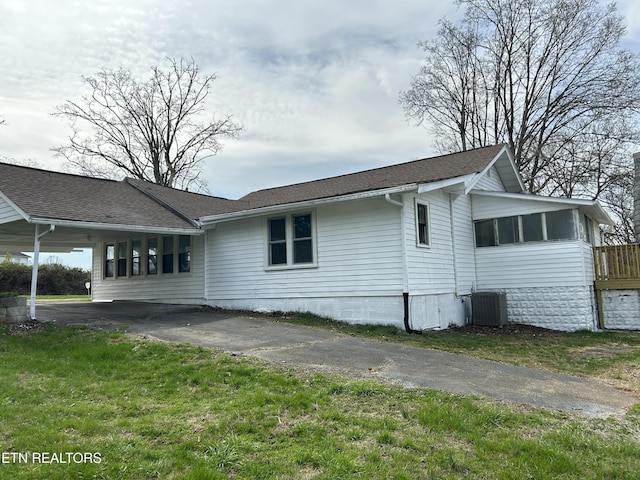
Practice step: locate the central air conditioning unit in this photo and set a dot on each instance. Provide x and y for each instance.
(489, 308)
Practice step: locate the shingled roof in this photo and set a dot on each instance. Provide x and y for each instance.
(51, 195)
(422, 171)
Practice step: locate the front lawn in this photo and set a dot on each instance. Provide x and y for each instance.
(139, 409)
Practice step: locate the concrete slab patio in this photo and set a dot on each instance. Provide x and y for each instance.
(346, 355)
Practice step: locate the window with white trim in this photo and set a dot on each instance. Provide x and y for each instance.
(291, 240)
(152, 256)
(109, 260)
(535, 227)
(184, 253)
(422, 225)
(122, 259)
(136, 257)
(167, 254)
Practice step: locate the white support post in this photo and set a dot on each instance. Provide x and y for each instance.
(34, 268)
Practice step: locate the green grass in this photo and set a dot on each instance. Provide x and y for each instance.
(613, 357)
(86, 298)
(154, 410)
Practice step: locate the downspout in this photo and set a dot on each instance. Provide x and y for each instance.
(405, 266)
(34, 268)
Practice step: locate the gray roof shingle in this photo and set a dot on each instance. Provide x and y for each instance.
(426, 170)
(53, 195)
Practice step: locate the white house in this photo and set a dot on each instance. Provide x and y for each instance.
(405, 245)
(14, 257)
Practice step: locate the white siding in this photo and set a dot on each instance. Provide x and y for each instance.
(543, 264)
(7, 212)
(168, 288)
(430, 268)
(485, 207)
(491, 181)
(464, 245)
(358, 255)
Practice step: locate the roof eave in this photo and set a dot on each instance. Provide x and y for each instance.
(271, 209)
(591, 207)
(115, 226)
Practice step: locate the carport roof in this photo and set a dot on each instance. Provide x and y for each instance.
(40, 195)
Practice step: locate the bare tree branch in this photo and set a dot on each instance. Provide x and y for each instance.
(548, 78)
(152, 130)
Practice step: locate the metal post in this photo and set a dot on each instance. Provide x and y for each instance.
(34, 268)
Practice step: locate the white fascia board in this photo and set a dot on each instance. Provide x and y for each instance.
(442, 184)
(592, 207)
(511, 162)
(115, 226)
(18, 210)
(211, 220)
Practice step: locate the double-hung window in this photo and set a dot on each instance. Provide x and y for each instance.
(109, 260)
(184, 253)
(422, 224)
(152, 256)
(291, 241)
(136, 256)
(167, 254)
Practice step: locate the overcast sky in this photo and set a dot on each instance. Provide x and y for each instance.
(314, 83)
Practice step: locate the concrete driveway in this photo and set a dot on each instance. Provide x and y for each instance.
(346, 355)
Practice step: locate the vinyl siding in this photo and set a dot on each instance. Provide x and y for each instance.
(7, 212)
(543, 264)
(485, 207)
(177, 287)
(358, 254)
(464, 245)
(491, 181)
(430, 268)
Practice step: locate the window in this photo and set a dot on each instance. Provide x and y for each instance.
(152, 256)
(167, 254)
(422, 224)
(532, 227)
(560, 225)
(302, 240)
(184, 253)
(586, 229)
(136, 254)
(122, 259)
(109, 259)
(485, 233)
(535, 227)
(291, 240)
(278, 241)
(508, 230)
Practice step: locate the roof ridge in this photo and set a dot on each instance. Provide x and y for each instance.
(162, 203)
(178, 189)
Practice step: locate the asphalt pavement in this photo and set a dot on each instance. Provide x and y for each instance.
(347, 355)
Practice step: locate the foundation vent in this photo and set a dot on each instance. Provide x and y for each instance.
(489, 308)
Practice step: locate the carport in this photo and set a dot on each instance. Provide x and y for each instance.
(42, 211)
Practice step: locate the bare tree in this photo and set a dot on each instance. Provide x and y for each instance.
(543, 76)
(151, 130)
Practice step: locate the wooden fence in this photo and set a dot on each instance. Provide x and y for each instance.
(617, 266)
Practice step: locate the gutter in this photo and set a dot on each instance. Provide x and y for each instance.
(270, 209)
(405, 266)
(116, 226)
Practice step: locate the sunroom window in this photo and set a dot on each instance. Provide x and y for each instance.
(535, 227)
(109, 259)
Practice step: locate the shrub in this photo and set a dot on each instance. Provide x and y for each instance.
(53, 279)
